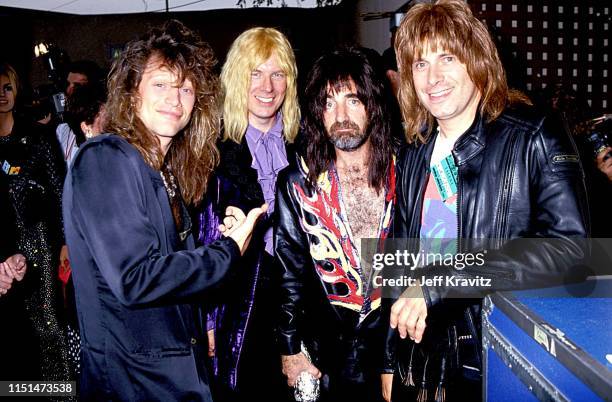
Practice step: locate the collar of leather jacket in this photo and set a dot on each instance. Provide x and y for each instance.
(468, 145)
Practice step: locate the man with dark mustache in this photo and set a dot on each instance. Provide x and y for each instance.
(340, 192)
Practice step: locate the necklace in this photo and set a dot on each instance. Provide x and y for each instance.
(176, 203)
(169, 182)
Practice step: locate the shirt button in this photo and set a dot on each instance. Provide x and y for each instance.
(194, 341)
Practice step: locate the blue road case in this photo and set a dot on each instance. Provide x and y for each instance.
(549, 344)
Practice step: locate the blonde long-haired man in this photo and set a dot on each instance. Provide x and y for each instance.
(261, 118)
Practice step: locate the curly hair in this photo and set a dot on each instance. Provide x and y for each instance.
(449, 25)
(336, 70)
(193, 154)
(251, 49)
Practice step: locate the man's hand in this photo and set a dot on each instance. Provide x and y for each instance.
(293, 365)
(605, 166)
(211, 342)
(240, 227)
(409, 312)
(14, 267)
(387, 384)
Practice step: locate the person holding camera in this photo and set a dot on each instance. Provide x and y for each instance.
(604, 162)
(596, 153)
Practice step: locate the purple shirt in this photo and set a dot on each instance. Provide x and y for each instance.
(269, 158)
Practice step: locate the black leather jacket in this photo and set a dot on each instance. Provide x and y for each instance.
(324, 303)
(519, 177)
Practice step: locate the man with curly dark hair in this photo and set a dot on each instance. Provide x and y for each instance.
(137, 274)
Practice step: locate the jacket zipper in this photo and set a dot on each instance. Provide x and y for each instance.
(459, 209)
(508, 175)
(416, 229)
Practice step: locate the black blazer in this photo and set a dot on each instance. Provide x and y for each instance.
(135, 280)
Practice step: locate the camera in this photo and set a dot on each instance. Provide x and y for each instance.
(598, 142)
(598, 137)
(49, 98)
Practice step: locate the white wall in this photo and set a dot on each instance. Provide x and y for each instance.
(375, 33)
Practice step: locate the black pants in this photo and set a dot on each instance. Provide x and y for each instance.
(346, 391)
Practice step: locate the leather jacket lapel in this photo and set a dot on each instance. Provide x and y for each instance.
(235, 165)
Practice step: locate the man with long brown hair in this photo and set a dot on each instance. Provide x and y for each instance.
(339, 193)
(481, 165)
(136, 271)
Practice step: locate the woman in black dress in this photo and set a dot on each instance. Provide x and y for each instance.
(31, 181)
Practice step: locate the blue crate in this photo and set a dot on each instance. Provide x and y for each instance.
(549, 344)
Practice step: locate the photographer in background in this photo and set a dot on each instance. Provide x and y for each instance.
(598, 138)
(83, 118)
(590, 133)
(604, 162)
(82, 73)
(50, 100)
(593, 139)
(85, 96)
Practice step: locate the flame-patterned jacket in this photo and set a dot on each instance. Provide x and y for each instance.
(326, 302)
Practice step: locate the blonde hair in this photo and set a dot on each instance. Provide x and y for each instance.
(449, 25)
(8, 71)
(251, 49)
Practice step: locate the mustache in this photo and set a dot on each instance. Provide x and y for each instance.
(347, 124)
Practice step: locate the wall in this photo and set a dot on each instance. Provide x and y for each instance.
(554, 43)
(375, 33)
(543, 43)
(310, 31)
(541, 46)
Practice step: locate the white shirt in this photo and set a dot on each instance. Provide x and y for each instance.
(67, 140)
